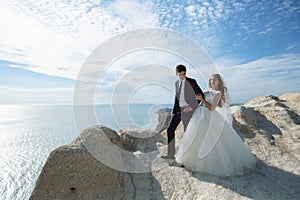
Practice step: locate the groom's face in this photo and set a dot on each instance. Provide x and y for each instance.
(181, 75)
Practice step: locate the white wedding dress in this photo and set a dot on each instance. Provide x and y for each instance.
(211, 145)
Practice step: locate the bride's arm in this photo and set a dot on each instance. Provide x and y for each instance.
(214, 103)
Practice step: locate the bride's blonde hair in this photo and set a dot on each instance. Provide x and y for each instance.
(221, 88)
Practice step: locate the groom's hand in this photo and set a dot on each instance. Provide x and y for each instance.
(187, 109)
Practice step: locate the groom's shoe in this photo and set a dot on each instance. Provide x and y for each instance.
(168, 157)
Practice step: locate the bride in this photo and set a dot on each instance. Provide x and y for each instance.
(210, 144)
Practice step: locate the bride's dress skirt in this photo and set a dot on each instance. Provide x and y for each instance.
(211, 145)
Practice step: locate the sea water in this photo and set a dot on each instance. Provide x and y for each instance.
(28, 133)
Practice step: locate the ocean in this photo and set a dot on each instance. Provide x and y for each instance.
(30, 132)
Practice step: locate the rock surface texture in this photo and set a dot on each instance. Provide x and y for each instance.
(269, 125)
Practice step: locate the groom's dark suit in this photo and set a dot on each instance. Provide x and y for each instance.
(191, 89)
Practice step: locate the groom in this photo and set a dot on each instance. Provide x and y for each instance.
(184, 106)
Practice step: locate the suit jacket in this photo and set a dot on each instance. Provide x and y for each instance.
(191, 89)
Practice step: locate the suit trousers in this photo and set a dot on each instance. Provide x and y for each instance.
(175, 120)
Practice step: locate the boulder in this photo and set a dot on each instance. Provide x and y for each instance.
(90, 168)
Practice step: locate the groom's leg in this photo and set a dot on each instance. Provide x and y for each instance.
(185, 117)
(175, 120)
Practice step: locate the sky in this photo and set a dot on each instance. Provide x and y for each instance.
(254, 45)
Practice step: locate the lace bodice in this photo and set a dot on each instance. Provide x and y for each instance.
(209, 95)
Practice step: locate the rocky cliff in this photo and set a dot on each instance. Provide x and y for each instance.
(269, 125)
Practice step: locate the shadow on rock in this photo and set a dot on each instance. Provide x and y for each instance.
(264, 182)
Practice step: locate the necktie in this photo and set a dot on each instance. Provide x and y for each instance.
(179, 91)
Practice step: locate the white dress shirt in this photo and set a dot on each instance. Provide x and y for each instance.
(182, 102)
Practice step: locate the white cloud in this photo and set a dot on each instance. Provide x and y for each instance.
(134, 13)
(145, 75)
(267, 75)
(291, 47)
(191, 11)
(24, 41)
(51, 35)
(55, 37)
(48, 96)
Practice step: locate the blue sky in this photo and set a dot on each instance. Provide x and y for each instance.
(254, 44)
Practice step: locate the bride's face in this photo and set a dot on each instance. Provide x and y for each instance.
(214, 82)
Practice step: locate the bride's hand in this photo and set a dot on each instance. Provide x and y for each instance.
(199, 97)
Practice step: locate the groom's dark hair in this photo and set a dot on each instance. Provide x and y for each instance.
(180, 68)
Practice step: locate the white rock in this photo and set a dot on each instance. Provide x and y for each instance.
(268, 125)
